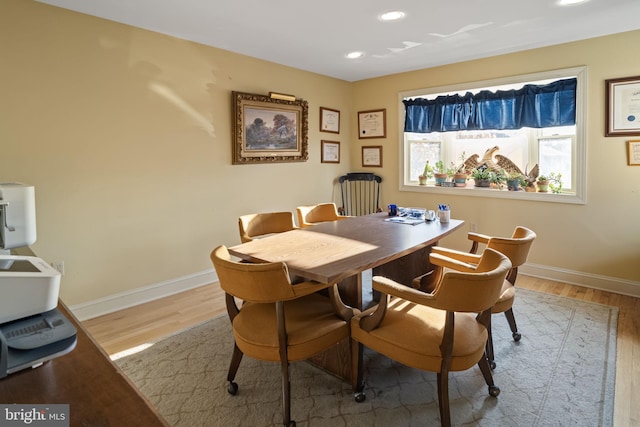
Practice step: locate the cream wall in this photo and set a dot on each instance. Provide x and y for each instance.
(598, 242)
(126, 135)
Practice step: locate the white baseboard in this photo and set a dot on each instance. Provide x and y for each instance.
(603, 283)
(120, 301)
(128, 299)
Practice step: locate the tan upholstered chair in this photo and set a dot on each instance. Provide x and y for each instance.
(516, 248)
(261, 224)
(323, 212)
(437, 332)
(278, 321)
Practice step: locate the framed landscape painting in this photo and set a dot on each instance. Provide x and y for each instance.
(269, 130)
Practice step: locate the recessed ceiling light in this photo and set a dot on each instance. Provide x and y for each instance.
(355, 55)
(393, 15)
(570, 2)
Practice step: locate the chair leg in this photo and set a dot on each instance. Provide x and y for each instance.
(483, 363)
(236, 358)
(357, 382)
(489, 346)
(286, 395)
(443, 398)
(512, 324)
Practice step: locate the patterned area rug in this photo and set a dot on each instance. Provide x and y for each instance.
(561, 373)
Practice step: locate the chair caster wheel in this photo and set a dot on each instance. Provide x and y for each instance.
(494, 391)
(492, 364)
(232, 388)
(360, 396)
(517, 336)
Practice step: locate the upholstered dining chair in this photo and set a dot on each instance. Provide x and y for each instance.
(516, 248)
(278, 321)
(262, 224)
(323, 212)
(438, 332)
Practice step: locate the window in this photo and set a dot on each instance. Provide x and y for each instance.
(557, 149)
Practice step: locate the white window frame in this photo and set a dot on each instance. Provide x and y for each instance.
(579, 193)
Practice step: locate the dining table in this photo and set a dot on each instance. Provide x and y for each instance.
(348, 252)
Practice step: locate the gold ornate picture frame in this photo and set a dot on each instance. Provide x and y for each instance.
(269, 130)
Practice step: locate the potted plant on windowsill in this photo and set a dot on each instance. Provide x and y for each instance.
(481, 177)
(440, 173)
(543, 184)
(461, 173)
(426, 174)
(515, 181)
(555, 182)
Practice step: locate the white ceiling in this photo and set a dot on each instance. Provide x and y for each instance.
(316, 35)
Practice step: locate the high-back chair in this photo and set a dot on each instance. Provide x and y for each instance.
(360, 193)
(261, 224)
(277, 321)
(516, 248)
(323, 212)
(438, 332)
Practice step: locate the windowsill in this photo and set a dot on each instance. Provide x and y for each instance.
(472, 191)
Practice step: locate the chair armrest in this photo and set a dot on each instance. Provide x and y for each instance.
(459, 262)
(477, 238)
(456, 254)
(393, 288)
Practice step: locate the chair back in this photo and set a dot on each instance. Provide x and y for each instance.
(516, 248)
(473, 292)
(309, 215)
(260, 224)
(360, 193)
(261, 283)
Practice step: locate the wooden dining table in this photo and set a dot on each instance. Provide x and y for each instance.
(347, 252)
(344, 251)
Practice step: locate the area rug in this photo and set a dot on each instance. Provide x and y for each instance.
(562, 373)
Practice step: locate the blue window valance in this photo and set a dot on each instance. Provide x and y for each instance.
(535, 106)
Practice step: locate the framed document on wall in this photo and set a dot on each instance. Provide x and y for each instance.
(623, 107)
(372, 156)
(372, 124)
(330, 152)
(329, 120)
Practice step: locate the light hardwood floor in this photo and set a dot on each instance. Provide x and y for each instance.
(128, 328)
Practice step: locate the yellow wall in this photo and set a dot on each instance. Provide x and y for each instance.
(126, 135)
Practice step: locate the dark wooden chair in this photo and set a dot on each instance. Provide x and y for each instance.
(360, 193)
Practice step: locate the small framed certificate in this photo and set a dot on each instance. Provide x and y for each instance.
(633, 153)
(330, 152)
(329, 120)
(372, 156)
(372, 124)
(623, 107)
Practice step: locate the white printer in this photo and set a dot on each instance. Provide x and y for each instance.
(32, 330)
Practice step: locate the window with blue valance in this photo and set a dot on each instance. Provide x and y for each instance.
(534, 106)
